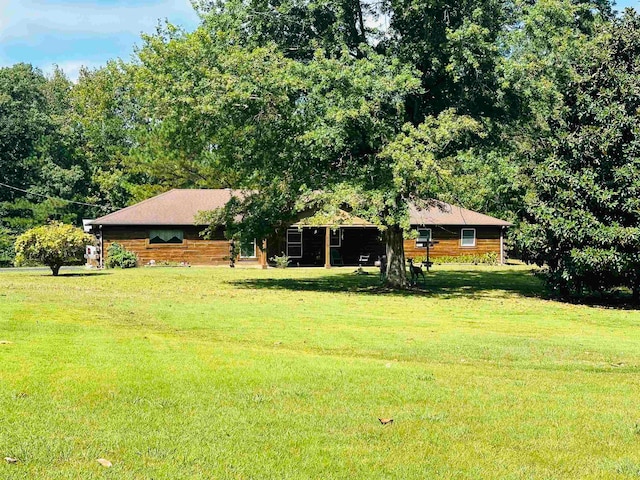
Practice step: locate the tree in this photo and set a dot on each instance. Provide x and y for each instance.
(22, 122)
(320, 134)
(105, 113)
(39, 151)
(583, 215)
(53, 245)
(305, 101)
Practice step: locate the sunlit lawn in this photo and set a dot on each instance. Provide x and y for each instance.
(219, 373)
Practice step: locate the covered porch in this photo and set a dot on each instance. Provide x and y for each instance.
(343, 241)
(329, 247)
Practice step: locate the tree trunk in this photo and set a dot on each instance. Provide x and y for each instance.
(396, 269)
(360, 15)
(55, 269)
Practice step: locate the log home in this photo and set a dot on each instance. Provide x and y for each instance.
(164, 229)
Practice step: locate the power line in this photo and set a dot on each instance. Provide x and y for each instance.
(51, 197)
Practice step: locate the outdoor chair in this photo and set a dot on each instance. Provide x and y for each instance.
(336, 259)
(364, 259)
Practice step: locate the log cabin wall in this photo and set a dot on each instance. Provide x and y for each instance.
(197, 251)
(194, 250)
(449, 238)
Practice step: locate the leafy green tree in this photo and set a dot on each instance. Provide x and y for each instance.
(53, 245)
(23, 121)
(39, 151)
(105, 112)
(298, 27)
(6, 248)
(583, 218)
(315, 134)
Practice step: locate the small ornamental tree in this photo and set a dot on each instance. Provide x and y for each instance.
(53, 245)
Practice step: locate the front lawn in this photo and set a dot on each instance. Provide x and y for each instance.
(217, 373)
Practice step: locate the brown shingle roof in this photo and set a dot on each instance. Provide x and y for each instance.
(442, 213)
(180, 207)
(175, 207)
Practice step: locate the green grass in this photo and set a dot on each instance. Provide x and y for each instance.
(250, 374)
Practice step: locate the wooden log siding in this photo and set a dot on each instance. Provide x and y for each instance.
(487, 240)
(197, 251)
(194, 250)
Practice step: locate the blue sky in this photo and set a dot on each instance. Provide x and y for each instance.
(72, 33)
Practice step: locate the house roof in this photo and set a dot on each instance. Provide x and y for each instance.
(180, 207)
(175, 207)
(442, 213)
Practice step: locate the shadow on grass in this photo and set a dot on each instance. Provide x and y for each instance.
(42, 273)
(441, 284)
(46, 272)
(83, 274)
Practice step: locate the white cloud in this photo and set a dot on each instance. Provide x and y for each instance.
(21, 19)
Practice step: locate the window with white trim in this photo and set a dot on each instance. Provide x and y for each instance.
(335, 238)
(424, 237)
(468, 237)
(248, 249)
(294, 243)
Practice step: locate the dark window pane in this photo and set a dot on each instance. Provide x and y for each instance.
(248, 249)
(166, 236)
(468, 237)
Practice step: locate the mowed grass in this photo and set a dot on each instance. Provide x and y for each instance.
(282, 374)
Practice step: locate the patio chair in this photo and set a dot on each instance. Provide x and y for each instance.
(364, 258)
(336, 259)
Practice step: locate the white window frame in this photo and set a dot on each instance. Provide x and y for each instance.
(289, 243)
(462, 230)
(255, 247)
(339, 244)
(418, 239)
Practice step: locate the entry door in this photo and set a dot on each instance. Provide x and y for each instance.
(294, 243)
(335, 240)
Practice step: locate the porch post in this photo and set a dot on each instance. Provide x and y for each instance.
(263, 257)
(501, 245)
(327, 248)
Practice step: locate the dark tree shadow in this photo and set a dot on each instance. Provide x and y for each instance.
(83, 274)
(441, 284)
(68, 274)
(446, 284)
(46, 272)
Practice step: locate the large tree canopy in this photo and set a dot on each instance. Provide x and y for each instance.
(583, 215)
(368, 106)
(325, 132)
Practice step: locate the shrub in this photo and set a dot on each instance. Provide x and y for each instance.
(53, 245)
(120, 257)
(489, 258)
(7, 252)
(281, 261)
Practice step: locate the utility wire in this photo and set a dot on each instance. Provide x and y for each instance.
(52, 198)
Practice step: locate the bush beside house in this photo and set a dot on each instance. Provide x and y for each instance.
(120, 257)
